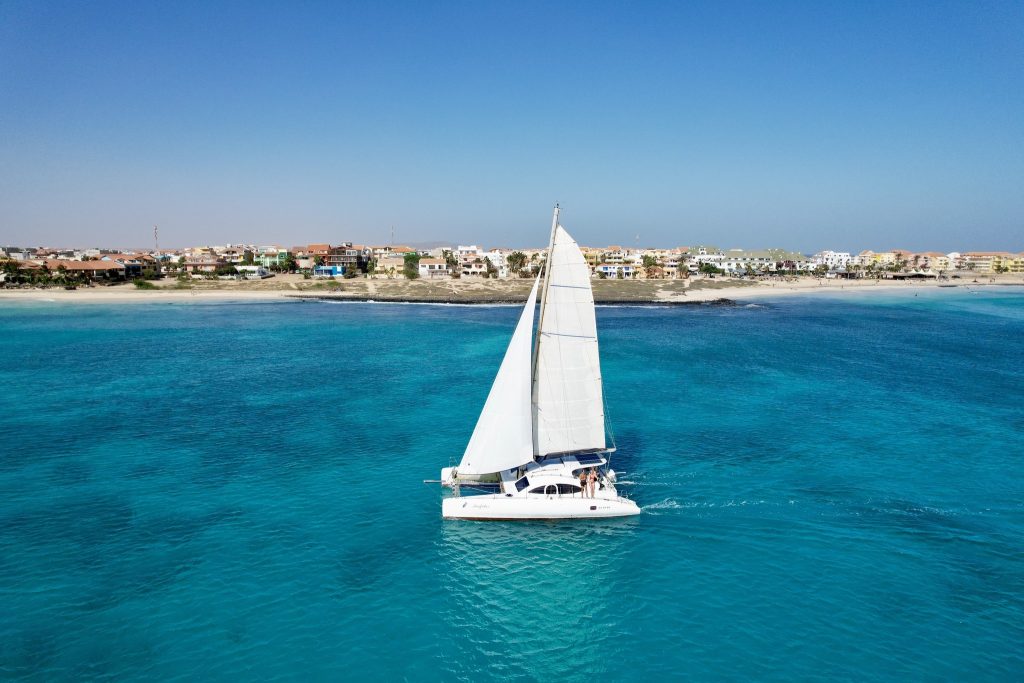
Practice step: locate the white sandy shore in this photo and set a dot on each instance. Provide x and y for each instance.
(812, 286)
(759, 290)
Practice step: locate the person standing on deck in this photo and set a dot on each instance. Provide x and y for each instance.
(583, 483)
(592, 481)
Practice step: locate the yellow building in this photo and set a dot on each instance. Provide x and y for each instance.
(933, 260)
(1011, 263)
(984, 261)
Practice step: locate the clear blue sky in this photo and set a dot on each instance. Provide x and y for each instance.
(812, 125)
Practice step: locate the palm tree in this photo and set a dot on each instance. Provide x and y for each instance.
(516, 262)
(452, 261)
(41, 276)
(10, 268)
(412, 265)
(649, 264)
(683, 266)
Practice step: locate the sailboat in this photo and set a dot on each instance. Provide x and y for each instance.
(543, 423)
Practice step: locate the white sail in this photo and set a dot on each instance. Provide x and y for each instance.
(569, 406)
(502, 438)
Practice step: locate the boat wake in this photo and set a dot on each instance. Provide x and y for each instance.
(667, 504)
(673, 504)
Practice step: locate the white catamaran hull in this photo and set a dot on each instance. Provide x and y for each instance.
(500, 507)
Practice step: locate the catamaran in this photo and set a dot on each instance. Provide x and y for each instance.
(543, 423)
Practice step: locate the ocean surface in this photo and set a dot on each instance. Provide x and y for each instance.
(832, 486)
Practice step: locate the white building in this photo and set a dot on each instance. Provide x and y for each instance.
(431, 268)
(832, 259)
(739, 260)
(497, 257)
(702, 254)
(616, 271)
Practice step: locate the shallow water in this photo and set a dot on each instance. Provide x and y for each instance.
(832, 487)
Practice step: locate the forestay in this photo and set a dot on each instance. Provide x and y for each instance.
(502, 437)
(569, 408)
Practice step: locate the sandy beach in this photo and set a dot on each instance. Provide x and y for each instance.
(291, 287)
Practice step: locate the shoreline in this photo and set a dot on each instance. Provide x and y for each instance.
(719, 301)
(497, 292)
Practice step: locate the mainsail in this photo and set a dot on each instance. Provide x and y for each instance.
(502, 437)
(568, 402)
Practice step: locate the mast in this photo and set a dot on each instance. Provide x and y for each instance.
(540, 324)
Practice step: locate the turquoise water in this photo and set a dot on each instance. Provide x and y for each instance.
(832, 488)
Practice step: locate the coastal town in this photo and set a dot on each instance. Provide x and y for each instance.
(22, 267)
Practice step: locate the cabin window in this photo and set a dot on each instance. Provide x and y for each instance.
(552, 489)
(522, 484)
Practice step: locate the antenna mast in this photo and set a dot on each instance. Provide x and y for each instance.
(156, 237)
